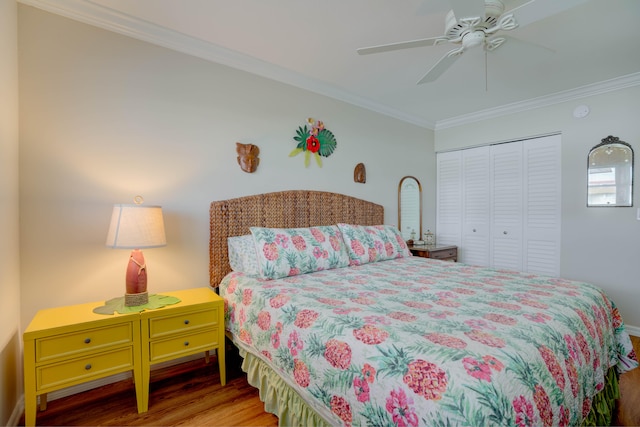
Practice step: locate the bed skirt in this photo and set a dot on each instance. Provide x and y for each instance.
(603, 406)
(279, 399)
(282, 401)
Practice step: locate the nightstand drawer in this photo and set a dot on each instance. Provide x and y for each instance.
(194, 325)
(181, 323)
(84, 368)
(188, 343)
(445, 254)
(86, 341)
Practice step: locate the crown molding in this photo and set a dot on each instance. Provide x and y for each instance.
(97, 15)
(88, 12)
(611, 85)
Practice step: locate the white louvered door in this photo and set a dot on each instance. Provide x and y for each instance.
(505, 249)
(501, 205)
(475, 206)
(542, 210)
(448, 198)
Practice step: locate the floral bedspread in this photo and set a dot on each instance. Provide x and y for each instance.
(416, 341)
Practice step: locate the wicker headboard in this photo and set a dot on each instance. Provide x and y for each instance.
(285, 209)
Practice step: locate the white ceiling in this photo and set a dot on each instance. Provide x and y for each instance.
(593, 46)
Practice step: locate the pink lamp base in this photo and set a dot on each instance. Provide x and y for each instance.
(136, 280)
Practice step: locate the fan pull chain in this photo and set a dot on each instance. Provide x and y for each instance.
(486, 73)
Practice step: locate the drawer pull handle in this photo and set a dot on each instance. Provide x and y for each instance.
(504, 232)
(474, 230)
(186, 322)
(87, 340)
(87, 366)
(186, 343)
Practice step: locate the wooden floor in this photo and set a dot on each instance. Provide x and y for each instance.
(629, 404)
(190, 394)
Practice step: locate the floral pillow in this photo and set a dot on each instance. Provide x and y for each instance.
(373, 243)
(283, 252)
(242, 255)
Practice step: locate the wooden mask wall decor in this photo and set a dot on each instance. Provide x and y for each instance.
(360, 173)
(248, 157)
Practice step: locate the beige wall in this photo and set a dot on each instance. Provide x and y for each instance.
(104, 117)
(10, 354)
(599, 245)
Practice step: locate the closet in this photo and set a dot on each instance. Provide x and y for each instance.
(501, 204)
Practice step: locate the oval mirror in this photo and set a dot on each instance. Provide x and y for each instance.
(610, 174)
(410, 208)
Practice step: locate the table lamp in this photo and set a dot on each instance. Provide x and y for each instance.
(136, 227)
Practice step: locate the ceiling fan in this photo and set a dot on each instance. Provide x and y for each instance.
(473, 23)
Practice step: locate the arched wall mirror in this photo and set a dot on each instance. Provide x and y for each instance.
(410, 208)
(610, 174)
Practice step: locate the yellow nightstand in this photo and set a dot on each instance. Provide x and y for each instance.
(67, 346)
(194, 325)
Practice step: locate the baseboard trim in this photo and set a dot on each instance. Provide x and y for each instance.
(90, 385)
(633, 330)
(18, 410)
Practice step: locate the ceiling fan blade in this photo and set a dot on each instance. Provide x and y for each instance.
(400, 45)
(441, 66)
(536, 10)
(467, 8)
(493, 43)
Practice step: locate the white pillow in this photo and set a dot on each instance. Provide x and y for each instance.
(242, 255)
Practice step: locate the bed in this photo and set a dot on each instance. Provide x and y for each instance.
(391, 339)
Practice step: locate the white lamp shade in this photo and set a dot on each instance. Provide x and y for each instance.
(136, 227)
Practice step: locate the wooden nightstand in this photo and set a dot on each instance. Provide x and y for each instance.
(67, 346)
(444, 253)
(194, 325)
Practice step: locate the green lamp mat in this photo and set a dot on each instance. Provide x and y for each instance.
(117, 305)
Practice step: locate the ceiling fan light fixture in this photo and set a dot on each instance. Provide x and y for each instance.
(473, 39)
